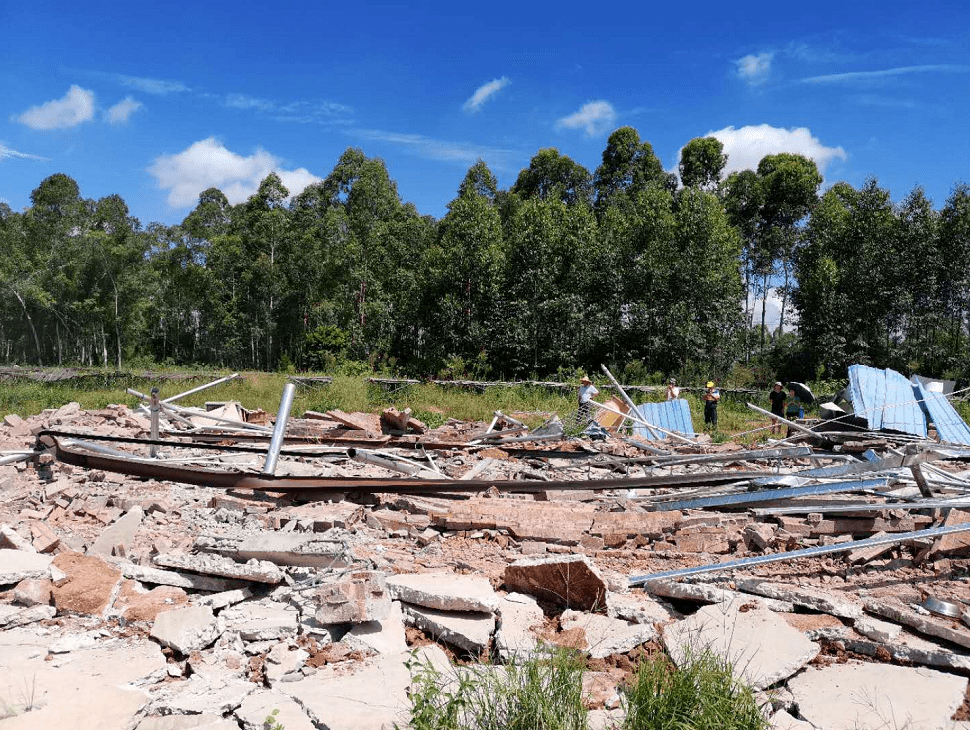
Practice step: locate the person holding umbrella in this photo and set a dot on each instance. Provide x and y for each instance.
(793, 407)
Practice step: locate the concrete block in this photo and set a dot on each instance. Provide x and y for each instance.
(880, 631)
(354, 597)
(385, 636)
(606, 636)
(262, 703)
(16, 565)
(518, 615)
(121, 532)
(187, 629)
(33, 592)
(444, 591)
(568, 580)
(636, 607)
(255, 571)
(466, 630)
(761, 646)
(262, 620)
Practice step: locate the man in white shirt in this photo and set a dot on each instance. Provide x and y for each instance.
(586, 390)
(673, 392)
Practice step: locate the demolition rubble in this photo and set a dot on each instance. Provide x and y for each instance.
(162, 567)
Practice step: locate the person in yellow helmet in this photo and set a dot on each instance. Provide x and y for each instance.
(711, 396)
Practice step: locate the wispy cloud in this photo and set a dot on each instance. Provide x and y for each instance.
(594, 117)
(441, 150)
(852, 77)
(122, 111)
(485, 92)
(745, 146)
(74, 108)
(159, 87)
(884, 101)
(208, 163)
(322, 112)
(755, 68)
(8, 153)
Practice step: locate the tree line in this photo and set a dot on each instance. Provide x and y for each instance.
(630, 265)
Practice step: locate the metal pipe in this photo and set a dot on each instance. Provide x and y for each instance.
(14, 458)
(214, 383)
(276, 443)
(672, 434)
(790, 424)
(958, 502)
(627, 400)
(187, 412)
(842, 547)
(391, 463)
(153, 410)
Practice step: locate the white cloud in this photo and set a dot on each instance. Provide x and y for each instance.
(207, 163)
(12, 154)
(75, 107)
(122, 111)
(755, 68)
(772, 311)
(151, 86)
(442, 150)
(866, 76)
(485, 92)
(306, 112)
(595, 117)
(746, 146)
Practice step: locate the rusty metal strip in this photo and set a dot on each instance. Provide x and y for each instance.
(322, 485)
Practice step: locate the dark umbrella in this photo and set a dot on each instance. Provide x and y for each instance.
(802, 391)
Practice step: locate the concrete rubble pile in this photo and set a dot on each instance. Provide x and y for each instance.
(134, 603)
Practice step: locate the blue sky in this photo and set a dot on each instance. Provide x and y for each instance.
(157, 102)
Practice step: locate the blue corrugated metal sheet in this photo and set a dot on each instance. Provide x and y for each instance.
(885, 399)
(950, 427)
(672, 415)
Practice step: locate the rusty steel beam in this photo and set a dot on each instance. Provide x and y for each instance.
(323, 485)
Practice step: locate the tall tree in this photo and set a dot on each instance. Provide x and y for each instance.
(701, 162)
(551, 175)
(629, 165)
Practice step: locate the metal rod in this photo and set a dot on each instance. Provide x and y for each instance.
(14, 458)
(627, 400)
(214, 383)
(791, 424)
(392, 463)
(769, 495)
(841, 547)
(958, 502)
(635, 419)
(279, 430)
(186, 411)
(153, 409)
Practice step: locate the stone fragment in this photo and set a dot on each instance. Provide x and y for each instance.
(10, 539)
(709, 593)
(16, 565)
(33, 592)
(282, 660)
(761, 646)
(861, 696)
(285, 548)
(156, 576)
(254, 570)
(466, 630)
(518, 614)
(135, 603)
(200, 694)
(263, 703)
(957, 543)
(262, 620)
(13, 616)
(606, 636)
(636, 607)
(385, 636)
(941, 628)
(444, 591)
(811, 598)
(759, 535)
(354, 597)
(120, 532)
(89, 587)
(872, 628)
(218, 601)
(187, 629)
(568, 580)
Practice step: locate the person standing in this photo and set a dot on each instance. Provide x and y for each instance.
(673, 392)
(586, 392)
(777, 398)
(793, 409)
(711, 396)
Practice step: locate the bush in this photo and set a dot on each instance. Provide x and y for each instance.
(700, 695)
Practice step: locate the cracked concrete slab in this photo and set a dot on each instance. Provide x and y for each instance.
(444, 591)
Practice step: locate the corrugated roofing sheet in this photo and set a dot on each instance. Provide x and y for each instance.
(950, 427)
(672, 415)
(884, 398)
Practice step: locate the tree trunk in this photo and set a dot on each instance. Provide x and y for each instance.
(30, 321)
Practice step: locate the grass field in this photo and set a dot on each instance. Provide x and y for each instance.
(432, 404)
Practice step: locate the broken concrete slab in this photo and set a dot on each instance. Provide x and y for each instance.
(255, 570)
(187, 629)
(159, 577)
(385, 636)
(10, 539)
(204, 721)
(33, 592)
(117, 538)
(879, 631)
(264, 703)
(262, 620)
(637, 607)
(941, 628)
(861, 696)
(811, 598)
(220, 600)
(199, 694)
(911, 649)
(282, 660)
(781, 720)
(466, 630)
(568, 580)
(16, 565)
(518, 615)
(346, 597)
(444, 591)
(606, 636)
(12, 617)
(136, 603)
(760, 645)
(89, 586)
(288, 548)
(710, 593)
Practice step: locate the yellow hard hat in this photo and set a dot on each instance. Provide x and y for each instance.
(710, 383)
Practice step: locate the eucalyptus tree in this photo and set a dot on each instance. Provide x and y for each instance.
(702, 161)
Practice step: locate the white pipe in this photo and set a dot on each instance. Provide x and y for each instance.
(220, 381)
(279, 430)
(626, 398)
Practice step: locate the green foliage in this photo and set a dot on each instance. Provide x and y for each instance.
(271, 723)
(701, 694)
(537, 694)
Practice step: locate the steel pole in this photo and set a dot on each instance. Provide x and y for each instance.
(276, 443)
(153, 409)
